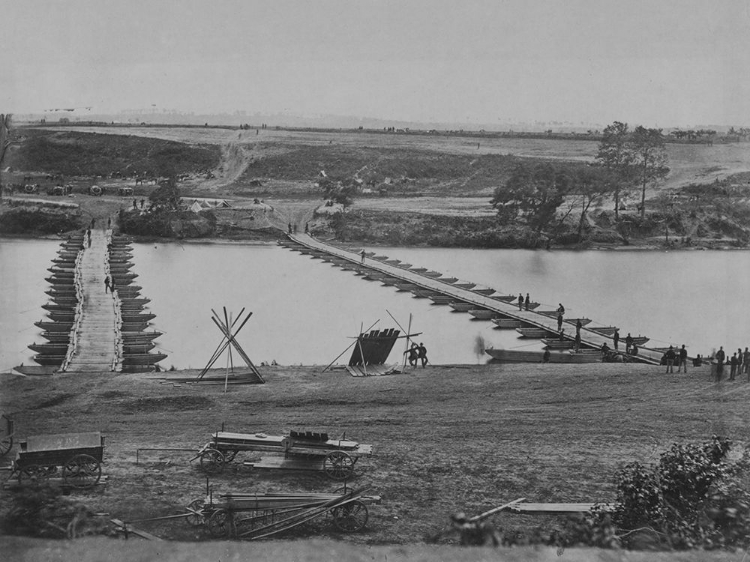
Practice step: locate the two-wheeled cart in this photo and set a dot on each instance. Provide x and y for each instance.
(73, 458)
(256, 516)
(296, 451)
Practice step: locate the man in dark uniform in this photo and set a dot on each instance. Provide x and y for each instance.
(616, 338)
(422, 353)
(683, 359)
(520, 301)
(528, 301)
(670, 355)
(720, 356)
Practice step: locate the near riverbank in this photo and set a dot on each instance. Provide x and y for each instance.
(446, 439)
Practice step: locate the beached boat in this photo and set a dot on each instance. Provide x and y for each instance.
(483, 314)
(517, 356)
(507, 323)
(462, 306)
(536, 333)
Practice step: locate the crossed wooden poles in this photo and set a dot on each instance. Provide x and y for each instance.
(226, 326)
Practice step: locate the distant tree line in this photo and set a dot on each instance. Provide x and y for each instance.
(626, 161)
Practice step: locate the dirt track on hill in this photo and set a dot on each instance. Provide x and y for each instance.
(446, 439)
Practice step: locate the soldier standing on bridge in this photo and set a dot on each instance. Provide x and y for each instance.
(106, 284)
(528, 301)
(520, 301)
(362, 253)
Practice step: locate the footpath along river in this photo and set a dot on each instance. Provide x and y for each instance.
(305, 311)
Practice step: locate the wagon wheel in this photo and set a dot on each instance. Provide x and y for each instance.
(82, 471)
(212, 461)
(229, 456)
(220, 523)
(34, 475)
(350, 517)
(6, 444)
(195, 519)
(338, 465)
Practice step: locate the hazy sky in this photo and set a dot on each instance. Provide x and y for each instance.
(649, 62)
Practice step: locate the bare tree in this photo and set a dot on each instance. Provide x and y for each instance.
(4, 142)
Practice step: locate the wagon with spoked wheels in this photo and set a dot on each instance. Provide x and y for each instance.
(75, 459)
(299, 450)
(256, 516)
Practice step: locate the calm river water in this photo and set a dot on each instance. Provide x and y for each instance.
(305, 311)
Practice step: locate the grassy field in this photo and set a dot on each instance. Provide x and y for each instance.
(446, 439)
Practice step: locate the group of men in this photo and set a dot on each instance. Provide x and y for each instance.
(739, 363)
(676, 355)
(417, 353)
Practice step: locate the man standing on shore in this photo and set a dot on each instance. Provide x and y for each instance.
(520, 301)
(746, 360)
(629, 343)
(422, 352)
(670, 359)
(528, 301)
(683, 359)
(616, 338)
(720, 356)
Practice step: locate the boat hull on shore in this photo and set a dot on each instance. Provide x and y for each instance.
(515, 356)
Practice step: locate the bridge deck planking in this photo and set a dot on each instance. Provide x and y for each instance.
(588, 337)
(97, 330)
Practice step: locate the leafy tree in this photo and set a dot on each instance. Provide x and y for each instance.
(535, 193)
(616, 155)
(649, 158)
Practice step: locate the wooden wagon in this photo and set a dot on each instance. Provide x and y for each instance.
(296, 451)
(256, 516)
(75, 458)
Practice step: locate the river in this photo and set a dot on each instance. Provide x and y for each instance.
(306, 311)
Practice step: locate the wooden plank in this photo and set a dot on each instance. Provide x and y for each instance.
(281, 463)
(128, 528)
(557, 508)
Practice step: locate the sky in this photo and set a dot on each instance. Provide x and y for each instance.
(657, 63)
